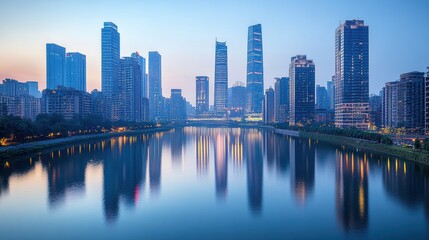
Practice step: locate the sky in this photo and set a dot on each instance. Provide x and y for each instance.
(184, 33)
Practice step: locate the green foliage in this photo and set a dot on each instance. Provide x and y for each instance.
(346, 132)
(54, 125)
(417, 144)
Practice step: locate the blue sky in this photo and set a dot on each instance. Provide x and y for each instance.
(184, 32)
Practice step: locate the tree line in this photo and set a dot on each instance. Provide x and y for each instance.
(46, 126)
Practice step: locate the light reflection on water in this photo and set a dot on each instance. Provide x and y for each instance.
(170, 176)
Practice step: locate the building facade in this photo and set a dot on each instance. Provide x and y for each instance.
(236, 100)
(352, 75)
(177, 105)
(55, 66)
(390, 105)
(221, 78)
(67, 102)
(129, 87)
(76, 71)
(202, 95)
(375, 111)
(427, 102)
(13, 88)
(155, 87)
(269, 104)
(302, 81)
(142, 62)
(33, 89)
(255, 70)
(110, 58)
(331, 94)
(321, 97)
(281, 99)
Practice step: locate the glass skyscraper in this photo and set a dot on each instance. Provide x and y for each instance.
(202, 95)
(76, 71)
(352, 75)
(155, 88)
(302, 80)
(142, 62)
(221, 78)
(281, 99)
(55, 66)
(110, 58)
(255, 70)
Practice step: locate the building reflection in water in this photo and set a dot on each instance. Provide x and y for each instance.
(351, 189)
(65, 169)
(235, 147)
(302, 156)
(221, 162)
(407, 183)
(202, 142)
(124, 172)
(254, 164)
(155, 155)
(15, 168)
(178, 142)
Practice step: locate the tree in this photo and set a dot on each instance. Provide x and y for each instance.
(417, 143)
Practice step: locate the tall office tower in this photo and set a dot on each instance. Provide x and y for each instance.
(352, 75)
(76, 71)
(281, 99)
(202, 95)
(255, 70)
(221, 78)
(427, 102)
(177, 105)
(236, 102)
(155, 88)
(302, 80)
(268, 108)
(129, 90)
(142, 62)
(110, 58)
(321, 97)
(55, 66)
(331, 94)
(33, 89)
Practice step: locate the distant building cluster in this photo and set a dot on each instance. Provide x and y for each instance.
(131, 88)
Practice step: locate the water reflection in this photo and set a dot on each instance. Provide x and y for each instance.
(351, 190)
(225, 155)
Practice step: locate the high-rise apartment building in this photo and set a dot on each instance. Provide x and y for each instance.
(177, 105)
(155, 87)
(202, 95)
(221, 78)
(142, 62)
(302, 80)
(33, 89)
(331, 94)
(110, 58)
(281, 99)
(129, 90)
(76, 71)
(321, 97)
(352, 74)
(236, 100)
(55, 66)
(255, 70)
(427, 102)
(67, 102)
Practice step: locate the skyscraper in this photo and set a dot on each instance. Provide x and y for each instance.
(33, 89)
(55, 66)
(142, 62)
(427, 102)
(221, 78)
(236, 103)
(129, 90)
(76, 71)
(155, 88)
(302, 80)
(281, 99)
(321, 97)
(202, 95)
(255, 70)
(331, 94)
(269, 106)
(177, 105)
(110, 58)
(352, 75)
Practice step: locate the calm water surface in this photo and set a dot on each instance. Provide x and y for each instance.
(212, 183)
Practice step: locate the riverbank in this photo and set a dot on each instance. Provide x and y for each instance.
(10, 152)
(394, 150)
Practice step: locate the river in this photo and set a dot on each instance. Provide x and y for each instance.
(212, 183)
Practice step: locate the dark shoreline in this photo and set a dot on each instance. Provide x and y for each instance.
(17, 151)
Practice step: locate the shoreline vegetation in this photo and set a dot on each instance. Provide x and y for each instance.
(381, 147)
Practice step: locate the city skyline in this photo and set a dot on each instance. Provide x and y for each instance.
(280, 40)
